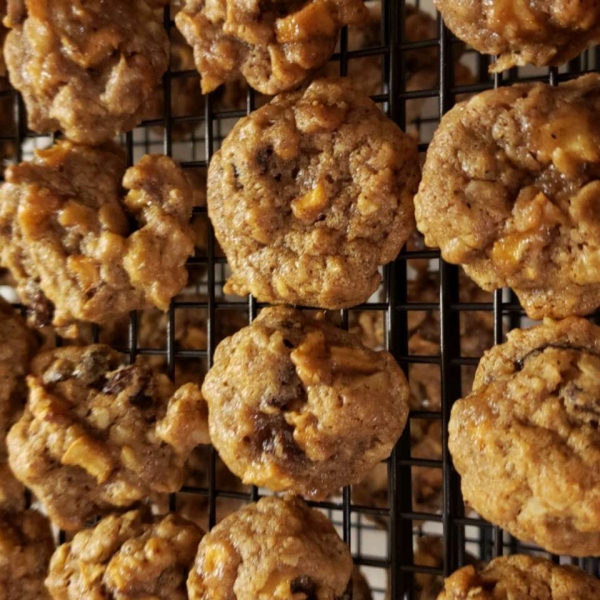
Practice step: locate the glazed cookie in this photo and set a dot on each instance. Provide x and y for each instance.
(524, 32)
(87, 72)
(276, 46)
(97, 435)
(526, 440)
(276, 549)
(310, 194)
(17, 346)
(66, 236)
(297, 404)
(126, 557)
(510, 189)
(521, 576)
(26, 546)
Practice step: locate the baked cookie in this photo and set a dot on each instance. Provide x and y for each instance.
(310, 194)
(510, 189)
(87, 72)
(97, 435)
(26, 546)
(126, 557)
(521, 576)
(297, 404)
(274, 46)
(276, 549)
(17, 346)
(524, 32)
(66, 236)
(526, 440)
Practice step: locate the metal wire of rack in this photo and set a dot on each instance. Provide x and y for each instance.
(387, 555)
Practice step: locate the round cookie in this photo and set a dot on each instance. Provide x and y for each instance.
(510, 190)
(526, 440)
(17, 346)
(87, 72)
(297, 404)
(26, 546)
(520, 576)
(97, 435)
(126, 557)
(66, 236)
(310, 194)
(275, 46)
(276, 549)
(524, 32)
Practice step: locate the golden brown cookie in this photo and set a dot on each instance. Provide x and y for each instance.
(26, 546)
(97, 435)
(276, 549)
(66, 236)
(310, 194)
(275, 46)
(526, 440)
(521, 577)
(17, 346)
(510, 189)
(297, 404)
(125, 558)
(87, 72)
(525, 31)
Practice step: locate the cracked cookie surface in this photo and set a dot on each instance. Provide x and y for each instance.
(520, 577)
(525, 32)
(126, 557)
(66, 236)
(310, 194)
(510, 190)
(97, 435)
(526, 440)
(274, 45)
(297, 404)
(26, 545)
(276, 549)
(85, 68)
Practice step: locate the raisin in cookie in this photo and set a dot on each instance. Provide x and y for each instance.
(126, 557)
(26, 546)
(276, 45)
(87, 71)
(510, 190)
(66, 236)
(525, 31)
(310, 194)
(520, 576)
(276, 549)
(526, 440)
(17, 346)
(96, 434)
(297, 404)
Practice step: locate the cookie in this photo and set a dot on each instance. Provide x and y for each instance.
(521, 576)
(275, 46)
(87, 72)
(126, 557)
(297, 404)
(526, 440)
(97, 435)
(310, 194)
(66, 236)
(510, 188)
(17, 346)
(26, 546)
(276, 549)
(521, 33)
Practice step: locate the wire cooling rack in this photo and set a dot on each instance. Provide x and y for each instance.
(191, 134)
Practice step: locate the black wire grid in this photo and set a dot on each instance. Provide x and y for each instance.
(203, 129)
